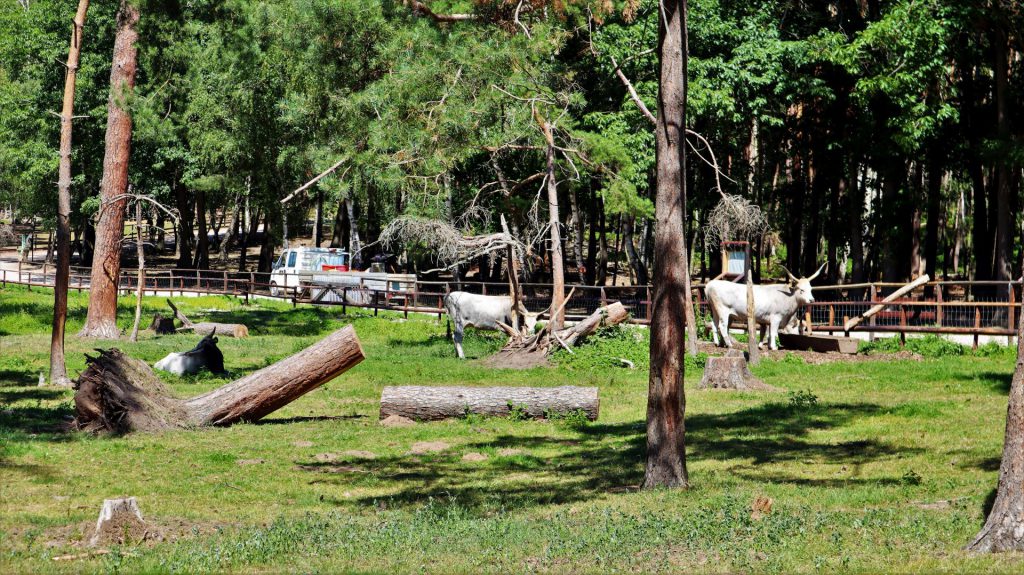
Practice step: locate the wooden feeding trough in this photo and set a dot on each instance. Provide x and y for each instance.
(819, 343)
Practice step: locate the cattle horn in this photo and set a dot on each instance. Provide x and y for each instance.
(823, 266)
(791, 277)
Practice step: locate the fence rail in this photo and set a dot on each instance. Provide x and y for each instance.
(945, 307)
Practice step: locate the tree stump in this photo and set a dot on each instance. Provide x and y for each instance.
(120, 521)
(162, 325)
(731, 372)
(120, 394)
(434, 403)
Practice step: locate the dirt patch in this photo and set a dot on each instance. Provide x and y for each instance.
(816, 357)
(360, 454)
(397, 421)
(318, 468)
(76, 535)
(422, 447)
(509, 451)
(516, 360)
(474, 457)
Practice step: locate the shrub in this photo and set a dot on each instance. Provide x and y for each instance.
(802, 399)
(928, 346)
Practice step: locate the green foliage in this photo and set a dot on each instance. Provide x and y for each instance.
(802, 399)
(607, 347)
(518, 412)
(927, 346)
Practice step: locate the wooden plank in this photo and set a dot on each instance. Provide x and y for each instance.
(821, 343)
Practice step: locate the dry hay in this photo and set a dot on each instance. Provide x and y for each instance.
(735, 218)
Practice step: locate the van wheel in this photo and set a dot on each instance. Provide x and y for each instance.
(274, 290)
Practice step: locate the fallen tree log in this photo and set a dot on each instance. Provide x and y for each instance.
(209, 327)
(121, 394)
(433, 403)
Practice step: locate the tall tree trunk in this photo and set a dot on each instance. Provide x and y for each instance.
(931, 236)
(638, 267)
(1004, 527)
(591, 238)
(318, 219)
(340, 229)
(602, 254)
(202, 258)
(916, 188)
(354, 247)
(557, 265)
(58, 369)
(666, 399)
(577, 237)
(101, 320)
(1003, 185)
(266, 260)
(231, 232)
(140, 253)
(184, 232)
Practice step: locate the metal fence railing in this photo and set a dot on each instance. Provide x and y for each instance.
(954, 307)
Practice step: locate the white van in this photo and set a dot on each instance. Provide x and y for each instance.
(296, 264)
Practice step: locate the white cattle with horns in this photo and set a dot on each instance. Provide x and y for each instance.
(482, 312)
(774, 305)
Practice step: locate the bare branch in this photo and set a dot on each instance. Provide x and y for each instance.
(308, 184)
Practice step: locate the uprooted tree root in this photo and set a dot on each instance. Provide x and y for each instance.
(120, 394)
(538, 346)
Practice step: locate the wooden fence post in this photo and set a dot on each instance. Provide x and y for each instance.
(938, 305)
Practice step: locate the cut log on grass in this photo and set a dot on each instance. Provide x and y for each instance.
(730, 371)
(433, 403)
(209, 327)
(120, 394)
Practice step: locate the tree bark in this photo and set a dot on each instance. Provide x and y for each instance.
(666, 400)
(577, 237)
(434, 403)
(101, 320)
(318, 220)
(140, 252)
(635, 264)
(184, 232)
(1004, 216)
(202, 257)
(230, 232)
(1004, 527)
(120, 394)
(557, 265)
(354, 246)
(58, 369)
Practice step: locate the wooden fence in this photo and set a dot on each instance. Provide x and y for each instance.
(954, 307)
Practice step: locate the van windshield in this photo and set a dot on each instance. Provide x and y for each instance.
(291, 259)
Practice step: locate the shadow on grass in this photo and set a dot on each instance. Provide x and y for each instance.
(16, 377)
(308, 418)
(600, 458)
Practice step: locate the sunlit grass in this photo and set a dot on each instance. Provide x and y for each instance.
(889, 469)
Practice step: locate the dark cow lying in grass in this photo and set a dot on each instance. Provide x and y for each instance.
(204, 354)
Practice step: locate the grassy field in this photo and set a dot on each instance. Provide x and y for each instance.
(871, 465)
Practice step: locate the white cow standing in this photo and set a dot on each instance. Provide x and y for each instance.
(774, 305)
(482, 312)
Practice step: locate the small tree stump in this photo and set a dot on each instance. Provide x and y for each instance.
(162, 325)
(731, 372)
(120, 521)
